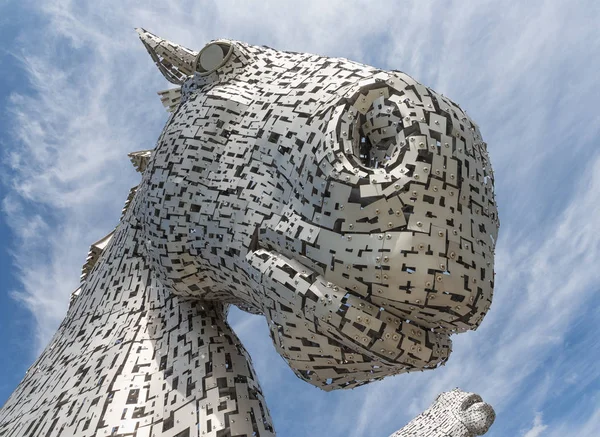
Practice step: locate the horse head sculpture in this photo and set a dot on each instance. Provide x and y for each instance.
(352, 207)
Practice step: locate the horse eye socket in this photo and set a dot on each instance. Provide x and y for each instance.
(212, 57)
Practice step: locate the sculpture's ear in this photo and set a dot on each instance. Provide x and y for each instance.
(175, 62)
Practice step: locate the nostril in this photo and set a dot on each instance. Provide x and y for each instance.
(471, 400)
(376, 134)
(364, 151)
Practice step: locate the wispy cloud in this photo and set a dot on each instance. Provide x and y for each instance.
(67, 160)
(518, 68)
(538, 427)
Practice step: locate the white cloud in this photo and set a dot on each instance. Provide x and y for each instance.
(538, 427)
(515, 66)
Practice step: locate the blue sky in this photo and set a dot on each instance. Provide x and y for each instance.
(78, 92)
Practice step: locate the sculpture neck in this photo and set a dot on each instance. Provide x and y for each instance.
(130, 357)
(121, 280)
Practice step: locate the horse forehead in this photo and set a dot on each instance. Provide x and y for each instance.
(278, 106)
(281, 79)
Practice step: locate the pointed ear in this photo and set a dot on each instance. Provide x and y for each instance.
(175, 62)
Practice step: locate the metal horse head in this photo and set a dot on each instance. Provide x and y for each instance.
(353, 207)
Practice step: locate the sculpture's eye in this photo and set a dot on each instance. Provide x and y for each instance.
(212, 57)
